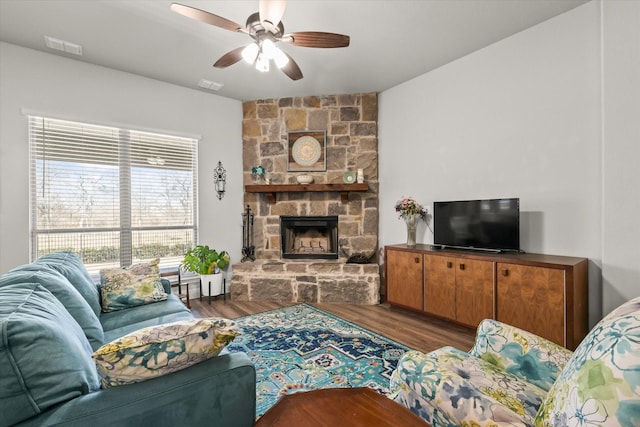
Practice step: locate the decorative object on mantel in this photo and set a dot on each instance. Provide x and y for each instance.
(304, 179)
(411, 211)
(220, 180)
(307, 151)
(208, 263)
(248, 249)
(258, 173)
(348, 177)
(360, 176)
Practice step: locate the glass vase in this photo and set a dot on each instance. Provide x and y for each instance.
(412, 226)
(257, 178)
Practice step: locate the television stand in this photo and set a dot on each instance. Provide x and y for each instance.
(544, 294)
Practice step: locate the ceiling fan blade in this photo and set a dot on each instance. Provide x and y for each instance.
(230, 58)
(206, 17)
(316, 39)
(271, 11)
(291, 69)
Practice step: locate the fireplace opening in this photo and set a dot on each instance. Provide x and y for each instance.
(309, 237)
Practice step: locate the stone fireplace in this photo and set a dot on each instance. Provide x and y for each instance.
(294, 267)
(309, 237)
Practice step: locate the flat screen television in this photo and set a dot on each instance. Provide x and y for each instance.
(492, 224)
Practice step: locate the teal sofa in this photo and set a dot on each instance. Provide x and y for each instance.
(514, 378)
(51, 322)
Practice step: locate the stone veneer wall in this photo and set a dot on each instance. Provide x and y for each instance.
(294, 281)
(351, 125)
(350, 122)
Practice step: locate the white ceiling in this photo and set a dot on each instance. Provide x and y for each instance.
(391, 41)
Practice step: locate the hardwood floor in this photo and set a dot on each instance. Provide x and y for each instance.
(411, 329)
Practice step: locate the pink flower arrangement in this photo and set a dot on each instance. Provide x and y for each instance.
(407, 206)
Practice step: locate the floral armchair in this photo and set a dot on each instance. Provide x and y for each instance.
(512, 377)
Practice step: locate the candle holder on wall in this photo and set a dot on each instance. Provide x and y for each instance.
(220, 180)
(248, 249)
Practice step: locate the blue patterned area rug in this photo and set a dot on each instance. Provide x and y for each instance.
(301, 348)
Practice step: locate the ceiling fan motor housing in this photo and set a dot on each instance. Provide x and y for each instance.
(257, 30)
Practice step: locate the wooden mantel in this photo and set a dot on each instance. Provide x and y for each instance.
(271, 189)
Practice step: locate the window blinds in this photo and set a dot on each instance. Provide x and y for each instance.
(114, 196)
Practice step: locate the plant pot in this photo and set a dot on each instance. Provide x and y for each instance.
(216, 281)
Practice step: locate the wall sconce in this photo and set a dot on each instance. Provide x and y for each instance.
(220, 180)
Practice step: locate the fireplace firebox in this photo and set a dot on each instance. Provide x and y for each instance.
(309, 237)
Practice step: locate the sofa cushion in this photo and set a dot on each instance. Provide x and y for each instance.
(449, 387)
(161, 319)
(160, 350)
(600, 385)
(64, 291)
(44, 354)
(136, 285)
(121, 318)
(70, 266)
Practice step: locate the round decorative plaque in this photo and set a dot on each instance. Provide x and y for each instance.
(306, 150)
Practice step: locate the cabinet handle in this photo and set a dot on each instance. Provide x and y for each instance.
(461, 266)
(417, 260)
(449, 264)
(504, 272)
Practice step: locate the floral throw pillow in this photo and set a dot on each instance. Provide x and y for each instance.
(159, 350)
(600, 385)
(129, 287)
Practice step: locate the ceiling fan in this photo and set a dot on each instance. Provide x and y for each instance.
(266, 29)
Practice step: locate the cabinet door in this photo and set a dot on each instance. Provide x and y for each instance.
(440, 286)
(404, 278)
(532, 298)
(474, 291)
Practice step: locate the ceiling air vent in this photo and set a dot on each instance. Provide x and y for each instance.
(63, 46)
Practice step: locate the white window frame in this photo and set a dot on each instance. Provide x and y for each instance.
(120, 149)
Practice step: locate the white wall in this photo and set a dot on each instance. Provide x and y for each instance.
(520, 118)
(621, 152)
(70, 89)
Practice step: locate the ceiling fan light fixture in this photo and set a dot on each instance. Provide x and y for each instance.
(280, 58)
(269, 48)
(262, 63)
(250, 53)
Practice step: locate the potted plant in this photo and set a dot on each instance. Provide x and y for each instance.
(208, 263)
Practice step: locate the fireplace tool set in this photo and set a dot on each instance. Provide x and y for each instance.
(248, 249)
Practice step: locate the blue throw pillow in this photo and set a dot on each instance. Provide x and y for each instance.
(45, 358)
(73, 269)
(68, 295)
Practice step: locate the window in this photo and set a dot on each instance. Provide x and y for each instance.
(114, 196)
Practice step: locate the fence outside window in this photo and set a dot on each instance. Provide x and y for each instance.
(114, 196)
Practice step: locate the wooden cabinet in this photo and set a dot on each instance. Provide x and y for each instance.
(543, 294)
(458, 289)
(440, 286)
(474, 291)
(405, 283)
(545, 301)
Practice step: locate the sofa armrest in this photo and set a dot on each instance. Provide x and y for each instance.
(519, 352)
(166, 284)
(218, 392)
